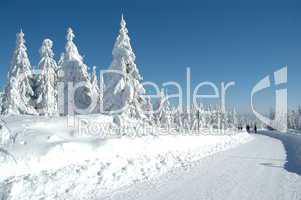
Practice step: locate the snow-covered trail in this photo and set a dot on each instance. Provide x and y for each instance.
(254, 170)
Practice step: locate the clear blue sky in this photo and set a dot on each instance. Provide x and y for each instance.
(220, 40)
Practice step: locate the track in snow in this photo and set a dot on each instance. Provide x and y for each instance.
(255, 170)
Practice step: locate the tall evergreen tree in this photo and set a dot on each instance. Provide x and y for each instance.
(165, 114)
(96, 90)
(18, 92)
(1, 101)
(94, 81)
(75, 72)
(46, 81)
(124, 91)
(149, 111)
(162, 115)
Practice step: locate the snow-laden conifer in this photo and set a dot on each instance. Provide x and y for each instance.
(96, 90)
(123, 87)
(18, 92)
(76, 74)
(46, 81)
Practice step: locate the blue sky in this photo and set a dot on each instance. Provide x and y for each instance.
(239, 41)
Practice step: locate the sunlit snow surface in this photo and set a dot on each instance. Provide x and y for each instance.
(50, 160)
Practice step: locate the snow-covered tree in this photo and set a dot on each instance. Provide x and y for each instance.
(94, 81)
(163, 113)
(298, 119)
(1, 100)
(294, 119)
(177, 118)
(149, 112)
(194, 117)
(158, 106)
(96, 90)
(166, 118)
(46, 81)
(124, 89)
(18, 92)
(76, 73)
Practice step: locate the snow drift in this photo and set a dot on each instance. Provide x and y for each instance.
(50, 161)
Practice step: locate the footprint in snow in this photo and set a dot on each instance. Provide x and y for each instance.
(124, 169)
(130, 162)
(163, 162)
(116, 177)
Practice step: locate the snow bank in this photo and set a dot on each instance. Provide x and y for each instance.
(51, 162)
(115, 163)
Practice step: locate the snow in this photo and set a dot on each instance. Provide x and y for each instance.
(47, 153)
(137, 154)
(255, 170)
(292, 144)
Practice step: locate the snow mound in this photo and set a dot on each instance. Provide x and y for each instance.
(50, 161)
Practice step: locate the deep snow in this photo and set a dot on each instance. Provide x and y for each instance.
(253, 171)
(52, 161)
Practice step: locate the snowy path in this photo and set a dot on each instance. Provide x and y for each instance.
(254, 170)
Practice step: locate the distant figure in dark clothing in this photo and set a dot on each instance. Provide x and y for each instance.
(255, 128)
(248, 128)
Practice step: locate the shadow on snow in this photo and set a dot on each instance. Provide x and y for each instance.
(292, 145)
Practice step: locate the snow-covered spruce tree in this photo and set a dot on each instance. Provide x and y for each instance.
(158, 107)
(18, 92)
(96, 90)
(124, 90)
(178, 118)
(292, 115)
(94, 81)
(1, 100)
(46, 81)
(294, 119)
(166, 118)
(149, 110)
(76, 73)
(203, 118)
(194, 117)
(163, 112)
(233, 120)
(298, 118)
